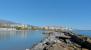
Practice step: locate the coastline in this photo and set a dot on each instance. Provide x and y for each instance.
(62, 41)
(11, 29)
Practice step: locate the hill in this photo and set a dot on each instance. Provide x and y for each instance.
(7, 22)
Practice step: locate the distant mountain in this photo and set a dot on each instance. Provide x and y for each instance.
(7, 22)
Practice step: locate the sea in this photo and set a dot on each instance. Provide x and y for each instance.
(83, 32)
(21, 40)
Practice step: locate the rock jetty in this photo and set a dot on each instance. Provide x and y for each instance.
(62, 41)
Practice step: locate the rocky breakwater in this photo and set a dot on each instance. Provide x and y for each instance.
(61, 41)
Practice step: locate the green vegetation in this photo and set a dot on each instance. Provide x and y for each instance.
(21, 28)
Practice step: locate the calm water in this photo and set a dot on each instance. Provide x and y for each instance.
(19, 40)
(84, 32)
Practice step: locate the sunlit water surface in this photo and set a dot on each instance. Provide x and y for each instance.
(19, 40)
(83, 32)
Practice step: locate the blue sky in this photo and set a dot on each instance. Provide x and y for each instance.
(71, 13)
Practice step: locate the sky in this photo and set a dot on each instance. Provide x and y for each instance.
(69, 13)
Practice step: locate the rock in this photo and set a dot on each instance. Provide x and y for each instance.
(84, 49)
(27, 49)
(56, 47)
(58, 41)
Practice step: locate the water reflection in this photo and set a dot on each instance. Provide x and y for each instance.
(8, 34)
(10, 40)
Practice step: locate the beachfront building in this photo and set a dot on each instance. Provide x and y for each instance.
(55, 28)
(13, 26)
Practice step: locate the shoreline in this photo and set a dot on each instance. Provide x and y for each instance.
(61, 41)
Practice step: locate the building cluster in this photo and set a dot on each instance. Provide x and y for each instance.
(56, 28)
(13, 26)
(30, 27)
